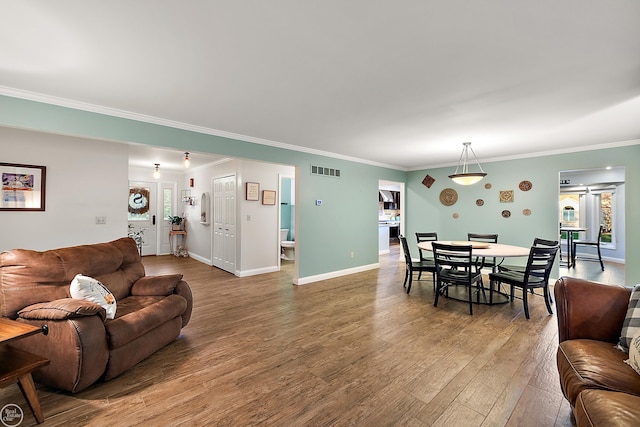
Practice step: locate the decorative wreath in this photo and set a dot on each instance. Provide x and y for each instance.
(138, 200)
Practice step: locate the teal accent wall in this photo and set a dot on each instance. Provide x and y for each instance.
(346, 222)
(426, 213)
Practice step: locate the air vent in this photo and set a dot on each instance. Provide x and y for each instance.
(319, 170)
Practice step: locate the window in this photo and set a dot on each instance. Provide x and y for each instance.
(167, 201)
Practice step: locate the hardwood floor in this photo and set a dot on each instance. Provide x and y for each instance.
(355, 350)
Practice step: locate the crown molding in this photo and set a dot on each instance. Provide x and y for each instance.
(99, 109)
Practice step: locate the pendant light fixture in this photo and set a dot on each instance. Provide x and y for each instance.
(465, 177)
(156, 172)
(187, 161)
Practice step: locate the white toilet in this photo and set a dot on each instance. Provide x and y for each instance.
(287, 247)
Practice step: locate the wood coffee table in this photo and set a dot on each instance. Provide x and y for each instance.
(16, 365)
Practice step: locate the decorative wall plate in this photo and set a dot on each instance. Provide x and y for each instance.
(506, 196)
(525, 185)
(526, 212)
(487, 186)
(479, 202)
(448, 196)
(506, 214)
(428, 181)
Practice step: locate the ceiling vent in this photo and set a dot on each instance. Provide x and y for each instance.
(319, 170)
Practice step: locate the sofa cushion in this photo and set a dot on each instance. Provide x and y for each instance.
(156, 285)
(631, 324)
(588, 364)
(90, 289)
(142, 314)
(607, 408)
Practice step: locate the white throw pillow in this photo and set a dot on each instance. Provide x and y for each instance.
(634, 353)
(90, 289)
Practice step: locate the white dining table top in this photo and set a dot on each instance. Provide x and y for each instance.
(494, 250)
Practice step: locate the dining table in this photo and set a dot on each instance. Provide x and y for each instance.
(485, 250)
(570, 230)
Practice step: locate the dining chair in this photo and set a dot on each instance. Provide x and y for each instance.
(488, 238)
(425, 237)
(413, 266)
(535, 275)
(588, 243)
(536, 242)
(455, 266)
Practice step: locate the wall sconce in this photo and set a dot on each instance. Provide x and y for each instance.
(156, 172)
(466, 177)
(187, 161)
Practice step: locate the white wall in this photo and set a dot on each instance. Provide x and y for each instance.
(258, 249)
(84, 179)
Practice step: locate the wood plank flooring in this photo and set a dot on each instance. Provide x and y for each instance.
(351, 351)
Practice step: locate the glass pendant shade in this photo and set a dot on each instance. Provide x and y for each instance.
(465, 177)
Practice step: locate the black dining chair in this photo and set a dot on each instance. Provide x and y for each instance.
(425, 237)
(536, 242)
(487, 238)
(455, 266)
(535, 275)
(413, 266)
(588, 243)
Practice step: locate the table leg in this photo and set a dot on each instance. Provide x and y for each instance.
(28, 388)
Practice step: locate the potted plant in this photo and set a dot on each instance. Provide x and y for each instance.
(176, 222)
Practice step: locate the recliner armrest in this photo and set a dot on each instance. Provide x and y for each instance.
(62, 309)
(156, 285)
(590, 310)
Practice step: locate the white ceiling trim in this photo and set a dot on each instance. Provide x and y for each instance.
(47, 99)
(540, 154)
(77, 105)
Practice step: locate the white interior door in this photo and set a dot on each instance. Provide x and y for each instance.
(224, 223)
(143, 215)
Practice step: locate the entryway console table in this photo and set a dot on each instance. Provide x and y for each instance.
(16, 365)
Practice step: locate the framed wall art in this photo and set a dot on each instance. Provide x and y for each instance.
(268, 197)
(253, 191)
(23, 187)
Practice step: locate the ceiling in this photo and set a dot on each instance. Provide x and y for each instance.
(402, 84)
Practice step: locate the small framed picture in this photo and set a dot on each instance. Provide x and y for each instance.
(253, 191)
(268, 197)
(23, 187)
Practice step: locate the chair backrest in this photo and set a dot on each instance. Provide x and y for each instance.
(543, 242)
(540, 262)
(489, 238)
(405, 249)
(425, 237)
(600, 233)
(452, 256)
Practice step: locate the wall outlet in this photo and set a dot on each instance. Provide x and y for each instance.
(101, 220)
(248, 217)
(353, 254)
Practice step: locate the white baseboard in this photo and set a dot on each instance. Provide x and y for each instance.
(201, 259)
(254, 272)
(334, 274)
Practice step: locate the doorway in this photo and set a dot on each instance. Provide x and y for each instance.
(391, 206)
(589, 198)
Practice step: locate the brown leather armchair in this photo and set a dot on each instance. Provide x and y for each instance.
(601, 388)
(82, 345)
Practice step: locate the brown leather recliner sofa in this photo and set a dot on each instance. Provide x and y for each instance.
(82, 345)
(601, 388)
